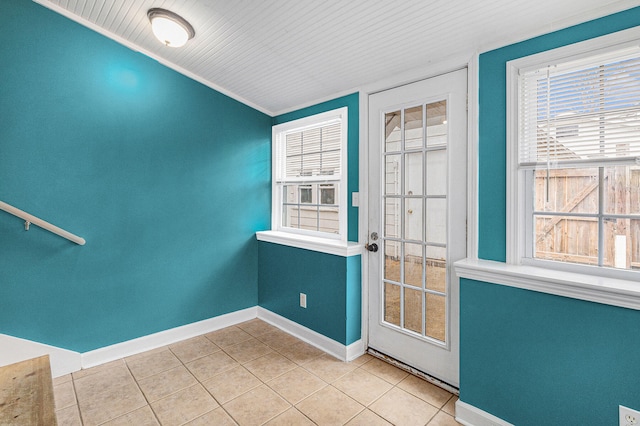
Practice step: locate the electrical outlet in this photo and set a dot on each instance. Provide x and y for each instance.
(629, 417)
(303, 300)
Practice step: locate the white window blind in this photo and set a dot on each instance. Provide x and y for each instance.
(312, 154)
(581, 113)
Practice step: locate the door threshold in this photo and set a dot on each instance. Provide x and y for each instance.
(411, 370)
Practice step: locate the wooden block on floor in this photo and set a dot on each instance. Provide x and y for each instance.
(26, 393)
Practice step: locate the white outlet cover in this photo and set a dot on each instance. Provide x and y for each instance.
(303, 300)
(629, 417)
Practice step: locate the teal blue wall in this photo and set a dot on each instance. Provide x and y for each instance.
(332, 283)
(352, 103)
(167, 180)
(535, 359)
(353, 305)
(526, 357)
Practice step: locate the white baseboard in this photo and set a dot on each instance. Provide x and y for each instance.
(14, 350)
(330, 346)
(355, 350)
(164, 338)
(471, 416)
(64, 361)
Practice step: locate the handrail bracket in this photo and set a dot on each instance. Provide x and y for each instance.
(31, 219)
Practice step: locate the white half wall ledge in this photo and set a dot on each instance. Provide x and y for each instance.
(591, 288)
(469, 415)
(64, 361)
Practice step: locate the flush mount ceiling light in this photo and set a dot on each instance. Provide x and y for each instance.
(171, 29)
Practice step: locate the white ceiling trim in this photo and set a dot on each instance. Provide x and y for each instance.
(136, 48)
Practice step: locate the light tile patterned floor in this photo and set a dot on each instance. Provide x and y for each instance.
(249, 374)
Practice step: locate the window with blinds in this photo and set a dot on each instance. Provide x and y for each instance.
(313, 152)
(578, 159)
(580, 113)
(309, 162)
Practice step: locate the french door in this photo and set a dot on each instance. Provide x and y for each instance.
(417, 219)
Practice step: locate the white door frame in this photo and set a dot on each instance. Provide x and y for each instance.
(470, 61)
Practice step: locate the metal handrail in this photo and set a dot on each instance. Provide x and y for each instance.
(31, 219)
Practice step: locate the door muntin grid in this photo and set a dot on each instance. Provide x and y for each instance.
(414, 286)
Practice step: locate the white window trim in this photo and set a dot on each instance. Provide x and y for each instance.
(312, 240)
(592, 288)
(610, 287)
(515, 183)
(321, 245)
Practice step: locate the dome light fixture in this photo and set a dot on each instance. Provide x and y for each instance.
(170, 28)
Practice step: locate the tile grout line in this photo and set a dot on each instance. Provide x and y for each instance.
(261, 381)
(292, 406)
(143, 394)
(265, 383)
(202, 384)
(73, 381)
(75, 395)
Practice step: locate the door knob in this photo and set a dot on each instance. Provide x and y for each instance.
(371, 247)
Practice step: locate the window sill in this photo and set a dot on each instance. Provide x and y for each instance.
(322, 245)
(609, 291)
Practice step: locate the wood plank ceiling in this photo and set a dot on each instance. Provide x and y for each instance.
(277, 55)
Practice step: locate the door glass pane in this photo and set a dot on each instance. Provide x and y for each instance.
(413, 219)
(413, 310)
(392, 217)
(436, 253)
(436, 275)
(392, 174)
(413, 128)
(392, 304)
(437, 123)
(436, 224)
(413, 264)
(435, 319)
(392, 261)
(436, 172)
(413, 173)
(392, 131)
